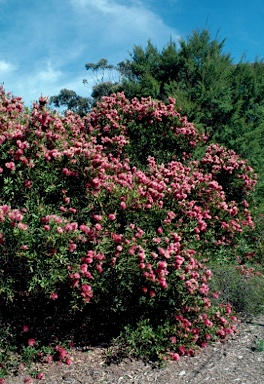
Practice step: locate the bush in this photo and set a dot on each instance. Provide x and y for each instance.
(86, 234)
(241, 287)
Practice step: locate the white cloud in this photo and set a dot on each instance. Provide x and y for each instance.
(49, 74)
(46, 81)
(104, 6)
(6, 67)
(30, 85)
(118, 22)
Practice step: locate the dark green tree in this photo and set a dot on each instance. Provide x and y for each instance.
(69, 99)
(140, 73)
(202, 82)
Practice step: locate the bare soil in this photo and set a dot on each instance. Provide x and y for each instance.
(237, 360)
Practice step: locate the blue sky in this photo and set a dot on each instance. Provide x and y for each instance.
(46, 43)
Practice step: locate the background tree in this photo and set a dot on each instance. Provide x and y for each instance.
(105, 82)
(72, 101)
(140, 75)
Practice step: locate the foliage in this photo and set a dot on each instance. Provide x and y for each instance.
(260, 346)
(198, 75)
(71, 101)
(90, 226)
(224, 99)
(240, 285)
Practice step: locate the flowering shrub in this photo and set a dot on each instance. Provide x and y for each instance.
(84, 220)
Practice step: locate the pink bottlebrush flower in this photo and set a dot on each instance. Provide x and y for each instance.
(99, 268)
(25, 328)
(76, 276)
(72, 210)
(72, 247)
(22, 226)
(85, 229)
(123, 205)
(40, 376)
(228, 309)
(31, 342)
(59, 230)
(208, 273)
(100, 256)
(24, 247)
(132, 249)
(62, 353)
(46, 227)
(208, 323)
(86, 288)
(84, 268)
(89, 260)
(163, 283)
(75, 283)
(88, 275)
(190, 352)
(221, 332)
(71, 226)
(15, 215)
(175, 356)
(139, 233)
(207, 302)
(144, 289)
(162, 264)
(66, 200)
(216, 295)
(204, 289)
(98, 217)
(222, 320)
(117, 237)
(65, 171)
(192, 285)
(112, 216)
(182, 350)
(98, 227)
(48, 359)
(173, 339)
(28, 184)
(141, 265)
(68, 361)
(54, 296)
(10, 165)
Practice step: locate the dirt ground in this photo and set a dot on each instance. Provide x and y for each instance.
(237, 360)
